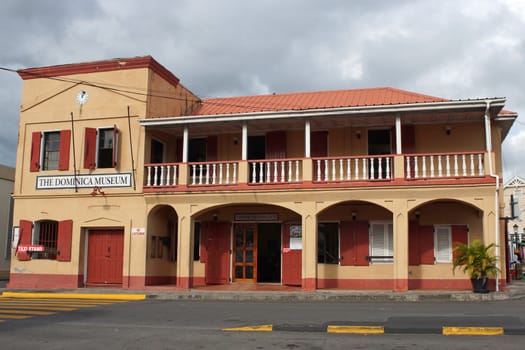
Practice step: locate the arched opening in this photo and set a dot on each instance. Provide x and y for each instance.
(161, 246)
(246, 243)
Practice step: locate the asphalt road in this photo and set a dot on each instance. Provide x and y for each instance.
(168, 324)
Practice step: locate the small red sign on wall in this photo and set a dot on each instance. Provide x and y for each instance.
(30, 248)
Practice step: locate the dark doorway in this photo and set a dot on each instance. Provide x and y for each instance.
(269, 253)
(256, 147)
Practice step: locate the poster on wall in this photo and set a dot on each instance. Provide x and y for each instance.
(296, 237)
(16, 237)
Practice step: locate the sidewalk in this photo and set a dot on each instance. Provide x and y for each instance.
(513, 291)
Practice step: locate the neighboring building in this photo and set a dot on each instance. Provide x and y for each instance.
(514, 192)
(7, 178)
(126, 178)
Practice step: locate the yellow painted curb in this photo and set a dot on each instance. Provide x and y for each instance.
(356, 329)
(74, 296)
(473, 331)
(263, 328)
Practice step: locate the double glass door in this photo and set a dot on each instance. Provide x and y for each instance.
(245, 253)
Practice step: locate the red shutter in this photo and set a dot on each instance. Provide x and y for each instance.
(63, 154)
(408, 139)
(115, 146)
(65, 231)
(90, 148)
(414, 255)
(178, 150)
(292, 261)
(354, 243)
(203, 236)
(26, 231)
(347, 246)
(459, 236)
(34, 164)
(276, 145)
(211, 149)
(319, 144)
(362, 243)
(426, 244)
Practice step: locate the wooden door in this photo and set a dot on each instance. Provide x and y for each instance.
(105, 256)
(245, 253)
(216, 238)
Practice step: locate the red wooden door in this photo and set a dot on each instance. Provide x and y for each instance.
(292, 261)
(105, 256)
(217, 244)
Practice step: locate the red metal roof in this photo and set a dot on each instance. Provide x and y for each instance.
(311, 100)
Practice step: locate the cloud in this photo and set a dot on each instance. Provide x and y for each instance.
(467, 49)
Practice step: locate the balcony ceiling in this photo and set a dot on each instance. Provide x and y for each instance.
(262, 126)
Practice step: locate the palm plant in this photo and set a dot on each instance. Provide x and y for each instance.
(476, 260)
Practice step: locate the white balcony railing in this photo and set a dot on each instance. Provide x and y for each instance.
(276, 171)
(444, 165)
(213, 173)
(353, 168)
(161, 175)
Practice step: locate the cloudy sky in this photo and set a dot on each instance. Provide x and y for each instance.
(448, 48)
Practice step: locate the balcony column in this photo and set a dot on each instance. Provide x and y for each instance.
(307, 175)
(307, 135)
(244, 141)
(309, 254)
(399, 149)
(400, 223)
(184, 251)
(185, 142)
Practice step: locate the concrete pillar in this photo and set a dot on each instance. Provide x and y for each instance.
(309, 256)
(400, 223)
(185, 252)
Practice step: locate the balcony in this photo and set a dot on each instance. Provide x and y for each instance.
(409, 169)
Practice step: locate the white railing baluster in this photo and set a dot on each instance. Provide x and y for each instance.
(416, 168)
(268, 172)
(408, 160)
(472, 168)
(447, 165)
(357, 168)
(148, 181)
(318, 162)
(261, 172)
(440, 167)
(333, 178)
(348, 167)
(214, 174)
(341, 174)
(380, 168)
(234, 178)
(464, 164)
(388, 168)
(432, 174)
(365, 172)
(167, 175)
(480, 165)
(456, 167)
(424, 167)
(326, 170)
(155, 177)
(289, 171)
(297, 171)
(175, 176)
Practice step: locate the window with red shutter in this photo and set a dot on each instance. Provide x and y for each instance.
(65, 232)
(426, 244)
(26, 235)
(90, 148)
(354, 243)
(36, 140)
(63, 160)
(459, 236)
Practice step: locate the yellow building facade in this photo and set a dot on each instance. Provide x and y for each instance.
(126, 178)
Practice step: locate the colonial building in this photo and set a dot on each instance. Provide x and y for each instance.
(126, 178)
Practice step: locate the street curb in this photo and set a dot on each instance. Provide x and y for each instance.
(373, 329)
(98, 296)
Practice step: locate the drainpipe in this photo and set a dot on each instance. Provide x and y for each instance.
(488, 144)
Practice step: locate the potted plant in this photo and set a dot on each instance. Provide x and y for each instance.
(478, 261)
